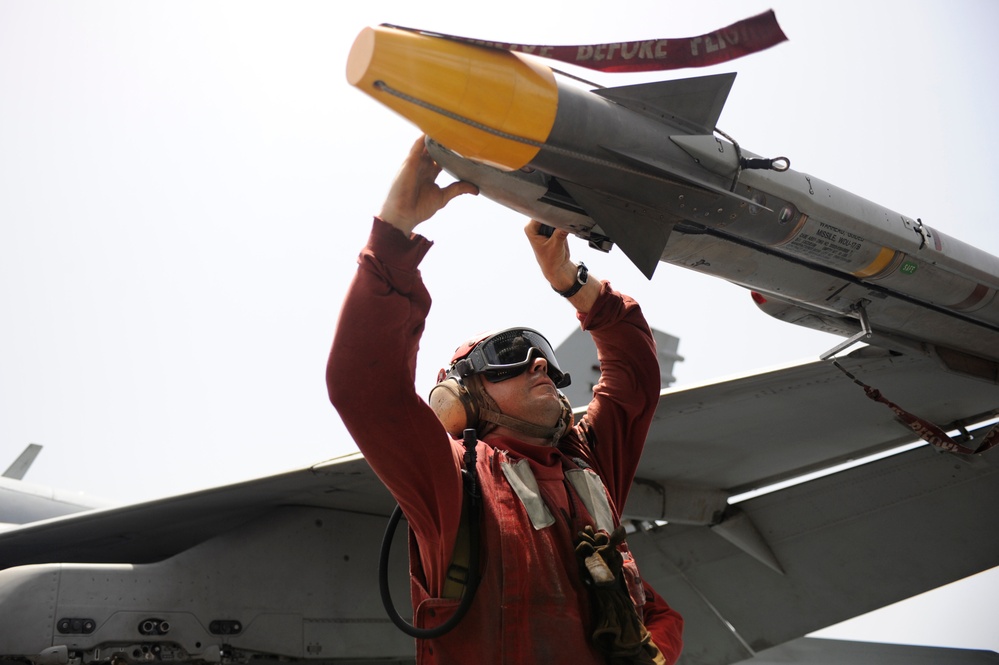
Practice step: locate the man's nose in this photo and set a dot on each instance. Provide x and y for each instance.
(540, 363)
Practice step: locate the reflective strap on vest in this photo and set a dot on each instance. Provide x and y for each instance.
(590, 490)
(525, 486)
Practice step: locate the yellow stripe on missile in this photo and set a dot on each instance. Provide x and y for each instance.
(442, 86)
(878, 265)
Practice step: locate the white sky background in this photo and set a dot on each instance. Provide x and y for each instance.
(184, 187)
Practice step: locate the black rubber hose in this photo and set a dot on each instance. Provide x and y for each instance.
(466, 599)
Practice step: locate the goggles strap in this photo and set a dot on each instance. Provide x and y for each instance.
(522, 426)
(489, 413)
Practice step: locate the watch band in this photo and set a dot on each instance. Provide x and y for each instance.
(581, 276)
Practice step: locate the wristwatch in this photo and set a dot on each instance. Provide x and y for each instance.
(581, 276)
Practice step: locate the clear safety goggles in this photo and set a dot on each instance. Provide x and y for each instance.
(510, 353)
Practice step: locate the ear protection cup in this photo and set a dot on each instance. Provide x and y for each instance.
(454, 406)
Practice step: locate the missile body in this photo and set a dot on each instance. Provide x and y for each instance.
(641, 167)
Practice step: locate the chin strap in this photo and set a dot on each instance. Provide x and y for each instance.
(550, 434)
(489, 413)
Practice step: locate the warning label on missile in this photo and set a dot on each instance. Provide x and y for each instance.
(739, 39)
(832, 246)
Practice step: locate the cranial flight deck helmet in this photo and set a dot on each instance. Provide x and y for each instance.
(459, 400)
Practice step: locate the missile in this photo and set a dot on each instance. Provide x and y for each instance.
(642, 167)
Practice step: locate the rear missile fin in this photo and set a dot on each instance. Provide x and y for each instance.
(640, 236)
(694, 102)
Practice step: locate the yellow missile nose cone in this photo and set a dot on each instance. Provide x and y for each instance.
(468, 98)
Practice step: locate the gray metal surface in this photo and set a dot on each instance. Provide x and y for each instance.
(295, 583)
(849, 543)
(745, 433)
(806, 651)
(155, 530)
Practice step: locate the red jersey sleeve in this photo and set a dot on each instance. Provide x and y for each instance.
(624, 401)
(370, 376)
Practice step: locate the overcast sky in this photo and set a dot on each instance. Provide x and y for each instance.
(184, 187)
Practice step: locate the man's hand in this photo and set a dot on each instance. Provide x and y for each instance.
(415, 196)
(552, 254)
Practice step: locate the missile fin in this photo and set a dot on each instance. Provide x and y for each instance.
(674, 174)
(694, 102)
(641, 233)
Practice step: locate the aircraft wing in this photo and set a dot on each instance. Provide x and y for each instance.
(753, 431)
(285, 566)
(757, 573)
(155, 530)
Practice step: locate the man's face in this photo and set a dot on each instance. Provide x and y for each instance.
(530, 396)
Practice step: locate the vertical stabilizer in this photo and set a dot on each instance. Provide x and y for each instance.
(23, 462)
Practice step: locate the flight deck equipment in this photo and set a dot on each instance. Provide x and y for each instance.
(468, 569)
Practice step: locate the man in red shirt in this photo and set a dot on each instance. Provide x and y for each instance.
(547, 484)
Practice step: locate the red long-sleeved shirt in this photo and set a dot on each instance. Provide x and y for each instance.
(370, 376)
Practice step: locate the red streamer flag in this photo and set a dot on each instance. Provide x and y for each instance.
(742, 38)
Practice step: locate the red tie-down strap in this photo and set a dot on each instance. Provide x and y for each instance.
(926, 430)
(742, 38)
